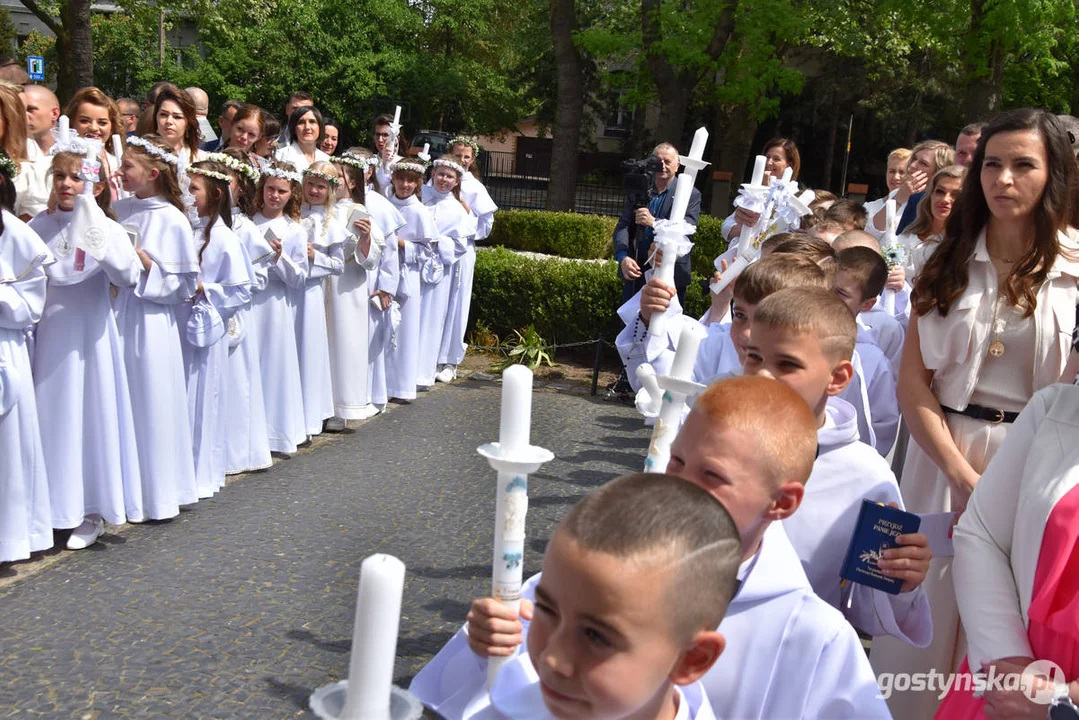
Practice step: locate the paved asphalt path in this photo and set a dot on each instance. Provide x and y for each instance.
(244, 604)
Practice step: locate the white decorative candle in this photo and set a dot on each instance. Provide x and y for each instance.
(374, 638)
(117, 147)
(758, 170)
(700, 137)
(516, 409)
(676, 387)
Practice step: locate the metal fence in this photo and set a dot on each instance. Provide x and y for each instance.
(519, 181)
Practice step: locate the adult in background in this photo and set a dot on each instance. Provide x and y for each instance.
(42, 112)
(298, 99)
(925, 159)
(129, 115)
(148, 120)
(635, 231)
(780, 154)
(993, 314)
(224, 121)
(202, 110)
(384, 150)
(965, 145)
(893, 178)
(1015, 562)
(331, 136)
(31, 194)
(175, 121)
(305, 129)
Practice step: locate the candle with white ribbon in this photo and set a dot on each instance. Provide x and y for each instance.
(671, 234)
(374, 638)
(514, 458)
(888, 243)
(676, 387)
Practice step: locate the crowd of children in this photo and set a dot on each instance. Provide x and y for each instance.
(171, 316)
(807, 371)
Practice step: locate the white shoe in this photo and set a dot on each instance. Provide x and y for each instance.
(336, 425)
(447, 374)
(86, 534)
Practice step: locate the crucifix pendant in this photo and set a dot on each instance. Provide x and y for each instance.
(996, 349)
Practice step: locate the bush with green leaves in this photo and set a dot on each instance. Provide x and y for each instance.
(564, 301)
(708, 244)
(568, 235)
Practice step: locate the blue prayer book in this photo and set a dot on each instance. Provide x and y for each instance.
(874, 532)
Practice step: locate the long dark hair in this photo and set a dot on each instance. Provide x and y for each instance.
(946, 274)
(187, 107)
(219, 208)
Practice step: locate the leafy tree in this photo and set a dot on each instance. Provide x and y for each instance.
(69, 20)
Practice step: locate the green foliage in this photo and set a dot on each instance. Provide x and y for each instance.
(568, 235)
(566, 301)
(529, 348)
(8, 33)
(698, 296)
(708, 244)
(44, 46)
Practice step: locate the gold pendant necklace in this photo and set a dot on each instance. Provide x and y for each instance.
(996, 347)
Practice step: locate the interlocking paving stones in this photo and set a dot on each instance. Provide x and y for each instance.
(243, 604)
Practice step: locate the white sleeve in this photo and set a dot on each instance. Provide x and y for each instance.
(985, 586)
(905, 616)
(636, 346)
(842, 682)
(883, 405)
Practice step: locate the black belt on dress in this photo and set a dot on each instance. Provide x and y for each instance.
(991, 415)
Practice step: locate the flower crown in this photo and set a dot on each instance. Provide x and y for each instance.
(154, 150)
(465, 140)
(360, 163)
(282, 174)
(89, 149)
(9, 166)
(209, 173)
(236, 165)
(452, 164)
(332, 180)
(408, 166)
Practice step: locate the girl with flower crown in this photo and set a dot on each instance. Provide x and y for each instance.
(274, 310)
(145, 315)
(413, 243)
(224, 287)
(326, 258)
(79, 374)
(350, 297)
(25, 518)
(455, 225)
(246, 437)
(465, 151)
(383, 283)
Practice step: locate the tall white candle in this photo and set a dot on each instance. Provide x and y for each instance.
(516, 409)
(63, 127)
(117, 147)
(397, 116)
(788, 173)
(758, 170)
(685, 355)
(682, 190)
(699, 139)
(426, 149)
(889, 215)
(374, 638)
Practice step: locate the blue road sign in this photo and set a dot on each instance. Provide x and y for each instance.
(35, 68)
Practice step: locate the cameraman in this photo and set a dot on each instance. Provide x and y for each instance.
(634, 233)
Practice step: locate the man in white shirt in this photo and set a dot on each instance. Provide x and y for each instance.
(42, 112)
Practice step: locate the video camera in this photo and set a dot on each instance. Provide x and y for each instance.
(638, 179)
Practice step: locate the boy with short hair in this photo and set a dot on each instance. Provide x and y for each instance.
(750, 442)
(848, 213)
(721, 352)
(803, 337)
(635, 581)
(888, 330)
(827, 230)
(859, 279)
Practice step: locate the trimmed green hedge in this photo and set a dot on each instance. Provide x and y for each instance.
(568, 235)
(567, 301)
(708, 244)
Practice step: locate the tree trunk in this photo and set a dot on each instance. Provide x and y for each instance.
(829, 156)
(569, 108)
(984, 82)
(77, 62)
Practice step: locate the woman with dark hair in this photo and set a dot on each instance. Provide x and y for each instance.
(331, 136)
(780, 154)
(994, 310)
(305, 129)
(175, 121)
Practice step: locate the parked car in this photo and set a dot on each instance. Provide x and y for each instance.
(438, 141)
